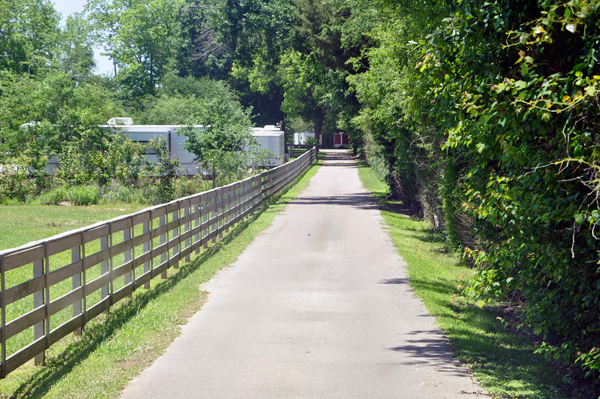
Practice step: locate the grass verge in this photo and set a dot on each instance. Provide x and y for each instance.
(502, 360)
(116, 346)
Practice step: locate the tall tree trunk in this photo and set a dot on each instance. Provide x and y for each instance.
(214, 176)
(318, 128)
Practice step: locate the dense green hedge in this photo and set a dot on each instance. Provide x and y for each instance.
(488, 116)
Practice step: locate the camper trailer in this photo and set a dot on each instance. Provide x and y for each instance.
(269, 137)
(302, 138)
(340, 140)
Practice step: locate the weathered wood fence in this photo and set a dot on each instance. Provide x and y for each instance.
(51, 288)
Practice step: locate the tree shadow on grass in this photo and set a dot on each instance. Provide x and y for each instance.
(481, 344)
(486, 348)
(479, 341)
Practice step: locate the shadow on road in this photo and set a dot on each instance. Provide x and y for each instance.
(340, 158)
(430, 347)
(358, 200)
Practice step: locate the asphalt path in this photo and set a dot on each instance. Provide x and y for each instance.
(318, 306)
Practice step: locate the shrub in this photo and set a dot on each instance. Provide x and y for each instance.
(78, 195)
(16, 187)
(185, 186)
(83, 195)
(117, 192)
(165, 169)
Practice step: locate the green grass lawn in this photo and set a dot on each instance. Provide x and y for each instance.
(25, 223)
(117, 345)
(502, 360)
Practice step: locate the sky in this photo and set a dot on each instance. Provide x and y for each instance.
(68, 7)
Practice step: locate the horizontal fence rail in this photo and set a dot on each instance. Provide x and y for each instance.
(53, 287)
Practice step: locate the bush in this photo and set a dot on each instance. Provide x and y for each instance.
(16, 187)
(78, 195)
(165, 169)
(117, 192)
(83, 195)
(185, 186)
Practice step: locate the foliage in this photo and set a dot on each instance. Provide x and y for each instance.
(76, 48)
(141, 36)
(224, 144)
(28, 34)
(15, 184)
(201, 53)
(312, 141)
(116, 192)
(188, 185)
(165, 169)
(53, 109)
(77, 195)
(486, 124)
(183, 100)
(85, 160)
(504, 361)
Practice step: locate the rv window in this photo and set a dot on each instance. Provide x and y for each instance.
(149, 150)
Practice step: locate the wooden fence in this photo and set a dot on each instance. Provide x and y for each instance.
(53, 287)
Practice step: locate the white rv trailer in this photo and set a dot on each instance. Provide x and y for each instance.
(269, 137)
(302, 138)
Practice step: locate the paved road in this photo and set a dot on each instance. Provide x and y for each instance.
(317, 306)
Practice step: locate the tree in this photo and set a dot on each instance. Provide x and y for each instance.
(51, 110)
(224, 144)
(201, 53)
(256, 34)
(488, 124)
(141, 36)
(76, 48)
(183, 100)
(28, 34)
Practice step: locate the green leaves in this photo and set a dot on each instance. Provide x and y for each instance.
(502, 131)
(29, 34)
(224, 143)
(141, 36)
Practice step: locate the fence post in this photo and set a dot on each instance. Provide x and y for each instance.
(38, 300)
(3, 317)
(186, 213)
(220, 210)
(163, 239)
(227, 209)
(75, 257)
(126, 258)
(146, 248)
(176, 231)
(198, 220)
(215, 215)
(203, 218)
(104, 291)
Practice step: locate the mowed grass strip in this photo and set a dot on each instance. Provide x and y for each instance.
(116, 346)
(502, 360)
